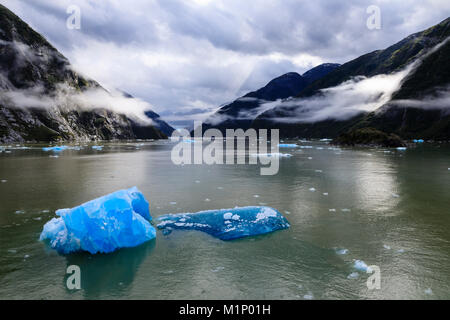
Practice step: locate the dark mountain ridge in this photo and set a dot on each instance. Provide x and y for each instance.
(241, 112)
(430, 77)
(34, 71)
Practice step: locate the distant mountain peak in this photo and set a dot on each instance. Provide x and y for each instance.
(320, 71)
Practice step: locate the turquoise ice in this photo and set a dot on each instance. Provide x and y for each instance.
(118, 220)
(55, 149)
(227, 224)
(287, 145)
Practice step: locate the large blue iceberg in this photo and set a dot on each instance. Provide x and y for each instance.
(227, 224)
(118, 220)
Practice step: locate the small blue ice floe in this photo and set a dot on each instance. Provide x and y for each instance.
(55, 149)
(286, 145)
(118, 220)
(227, 224)
(362, 266)
(418, 141)
(98, 148)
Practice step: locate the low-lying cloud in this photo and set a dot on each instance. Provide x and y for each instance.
(66, 98)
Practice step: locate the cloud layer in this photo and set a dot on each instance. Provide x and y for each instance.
(185, 56)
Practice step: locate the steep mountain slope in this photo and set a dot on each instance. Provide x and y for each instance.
(431, 73)
(421, 107)
(241, 112)
(43, 99)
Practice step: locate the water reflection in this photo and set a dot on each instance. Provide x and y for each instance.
(109, 274)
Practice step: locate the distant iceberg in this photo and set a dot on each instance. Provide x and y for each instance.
(55, 149)
(268, 155)
(287, 145)
(227, 224)
(118, 220)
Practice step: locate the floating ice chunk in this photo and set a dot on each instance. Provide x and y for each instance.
(362, 266)
(319, 171)
(310, 158)
(395, 195)
(287, 145)
(103, 225)
(353, 276)
(401, 251)
(332, 210)
(342, 251)
(256, 196)
(312, 189)
(218, 269)
(207, 200)
(228, 224)
(98, 148)
(4, 181)
(325, 194)
(418, 141)
(428, 291)
(55, 149)
(346, 210)
(402, 148)
(188, 141)
(387, 247)
(272, 155)
(308, 296)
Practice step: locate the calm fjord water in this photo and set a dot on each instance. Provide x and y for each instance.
(390, 209)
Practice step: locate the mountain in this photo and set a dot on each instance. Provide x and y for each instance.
(157, 121)
(430, 76)
(43, 99)
(241, 112)
(319, 72)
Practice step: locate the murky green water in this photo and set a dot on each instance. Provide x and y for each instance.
(391, 210)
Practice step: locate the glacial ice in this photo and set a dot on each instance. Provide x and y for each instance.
(342, 251)
(98, 148)
(227, 224)
(55, 149)
(287, 145)
(118, 220)
(362, 266)
(268, 155)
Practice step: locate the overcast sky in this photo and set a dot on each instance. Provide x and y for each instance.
(187, 57)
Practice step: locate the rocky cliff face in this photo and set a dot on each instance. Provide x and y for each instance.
(43, 99)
